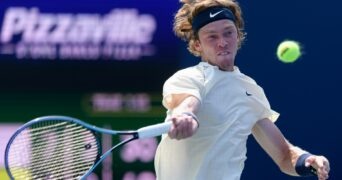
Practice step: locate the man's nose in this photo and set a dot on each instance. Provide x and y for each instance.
(222, 42)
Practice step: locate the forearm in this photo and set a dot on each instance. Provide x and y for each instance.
(189, 104)
(288, 163)
(286, 155)
(283, 153)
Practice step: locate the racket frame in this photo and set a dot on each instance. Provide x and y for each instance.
(88, 126)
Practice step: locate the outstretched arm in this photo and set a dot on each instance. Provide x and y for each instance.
(284, 154)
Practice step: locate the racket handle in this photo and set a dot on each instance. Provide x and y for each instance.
(154, 130)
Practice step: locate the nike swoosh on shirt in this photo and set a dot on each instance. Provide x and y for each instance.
(213, 15)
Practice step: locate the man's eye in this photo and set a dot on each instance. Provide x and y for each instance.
(212, 37)
(229, 33)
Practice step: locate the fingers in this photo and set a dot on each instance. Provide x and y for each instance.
(183, 126)
(326, 169)
(321, 164)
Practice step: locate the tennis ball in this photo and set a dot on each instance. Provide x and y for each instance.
(288, 51)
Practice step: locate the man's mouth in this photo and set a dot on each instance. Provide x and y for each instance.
(223, 53)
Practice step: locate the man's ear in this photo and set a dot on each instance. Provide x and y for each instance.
(198, 46)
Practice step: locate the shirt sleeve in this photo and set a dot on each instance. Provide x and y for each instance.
(268, 112)
(271, 115)
(188, 81)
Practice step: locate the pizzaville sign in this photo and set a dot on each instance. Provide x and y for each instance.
(121, 34)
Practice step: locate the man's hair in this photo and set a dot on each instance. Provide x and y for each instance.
(182, 25)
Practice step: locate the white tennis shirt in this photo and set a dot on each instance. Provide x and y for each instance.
(231, 103)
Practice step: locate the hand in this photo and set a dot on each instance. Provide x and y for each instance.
(183, 126)
(321, 164)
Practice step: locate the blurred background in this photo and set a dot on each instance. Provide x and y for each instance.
(105, 62)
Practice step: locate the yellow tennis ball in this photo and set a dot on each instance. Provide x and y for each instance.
(288, 51)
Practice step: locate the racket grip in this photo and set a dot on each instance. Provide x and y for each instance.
(154, 130)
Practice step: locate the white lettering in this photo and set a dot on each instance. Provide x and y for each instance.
(35, 51)
(64, 22)
(116, 102)
(79, 51)
(120, 26)
(121, 34)
(14, 23)
(147, 26)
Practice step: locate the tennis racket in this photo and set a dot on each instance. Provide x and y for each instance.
(60, 147)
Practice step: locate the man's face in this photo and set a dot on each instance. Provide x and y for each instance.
(218, 43)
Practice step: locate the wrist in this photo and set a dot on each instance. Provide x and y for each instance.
(300, 167)
(193, 117)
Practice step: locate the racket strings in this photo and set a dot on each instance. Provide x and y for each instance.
(78, 134)
(53, 150)
(55, 159)
(74, 137)
(70, 159)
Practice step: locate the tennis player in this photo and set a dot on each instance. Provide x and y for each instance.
(215, 107)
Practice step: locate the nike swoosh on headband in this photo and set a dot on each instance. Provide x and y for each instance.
(215, 14)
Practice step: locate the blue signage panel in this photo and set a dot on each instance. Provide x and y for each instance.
(129, 30)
